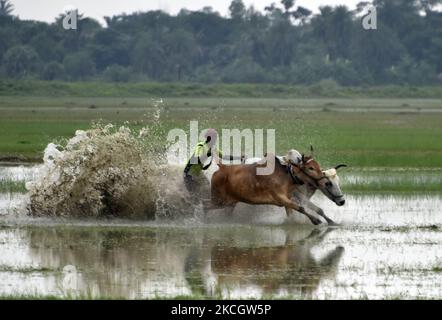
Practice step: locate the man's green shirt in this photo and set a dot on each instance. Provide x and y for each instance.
(201, 149)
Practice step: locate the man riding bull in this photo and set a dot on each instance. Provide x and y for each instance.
(196, 183)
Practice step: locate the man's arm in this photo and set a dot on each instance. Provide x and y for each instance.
(198, 155)
(195, 158)
(228, 158)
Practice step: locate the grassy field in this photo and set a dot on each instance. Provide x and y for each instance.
(325, 88)
(360, 132)
(9, 186)
(353, 180)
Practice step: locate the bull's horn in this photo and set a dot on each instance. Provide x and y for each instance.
(340, 166)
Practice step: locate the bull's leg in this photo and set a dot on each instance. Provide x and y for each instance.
(209, 205)
(329, 221)
(332, 259)
(318, 235)
(289, 204)
(305, 200)
(313, 219)
(215, 205)
(288, 211)
(216, 200)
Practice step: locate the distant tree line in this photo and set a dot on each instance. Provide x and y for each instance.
(283, 44)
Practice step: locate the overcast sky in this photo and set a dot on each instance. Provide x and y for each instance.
(47, 10)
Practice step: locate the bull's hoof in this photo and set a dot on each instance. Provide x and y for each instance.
(333, 224)
(316, 221)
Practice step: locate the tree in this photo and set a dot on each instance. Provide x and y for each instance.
(428, 5)
(180, 51)
(209, 10)
(148, 56)
(53, 70)
(20, 61)
(6, 41)
(288, 12)
(432, 51)
(237, 10)
(301, 14)
(288, 4)
(281, 41)
(6, 8)
(244, 71)
(117, 73)
(44, 46)
(79, 66)
(334, 27)
(378, 51)
(283, 44)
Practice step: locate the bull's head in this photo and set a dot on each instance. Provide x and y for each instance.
(327, 181)
(333, 189)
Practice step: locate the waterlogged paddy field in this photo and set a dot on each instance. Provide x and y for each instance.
(388, 247)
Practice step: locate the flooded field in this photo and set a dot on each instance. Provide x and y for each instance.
(388, 246)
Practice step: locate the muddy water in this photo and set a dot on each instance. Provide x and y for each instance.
(387, 247)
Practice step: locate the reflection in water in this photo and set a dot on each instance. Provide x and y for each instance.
(164, 262)
(222, 261)
(290, 268)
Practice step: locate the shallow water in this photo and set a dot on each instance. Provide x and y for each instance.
(387, 247)
(21, 172)
(221, 261)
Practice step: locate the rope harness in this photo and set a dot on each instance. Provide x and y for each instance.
(297, 180)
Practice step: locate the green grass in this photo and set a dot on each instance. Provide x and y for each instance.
(426, 181)
(390, 180)
(360, 132)
(390, 188)
(55, 297)
(30, 297)
(7, 268)
(151, 89)
(11, 186)
(400, 296)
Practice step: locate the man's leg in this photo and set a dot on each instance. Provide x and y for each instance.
(193, 188)
(203, 186)
(189, 183)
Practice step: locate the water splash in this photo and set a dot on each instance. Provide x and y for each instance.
(108, 171)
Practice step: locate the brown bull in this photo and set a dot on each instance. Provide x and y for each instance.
(240, 183)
